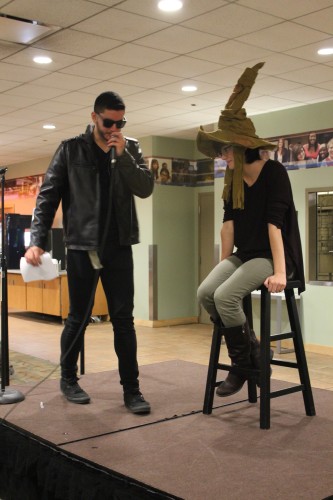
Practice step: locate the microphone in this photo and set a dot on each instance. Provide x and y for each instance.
(112, 156)
(3, 170)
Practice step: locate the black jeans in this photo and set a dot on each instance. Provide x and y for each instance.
(118, 284)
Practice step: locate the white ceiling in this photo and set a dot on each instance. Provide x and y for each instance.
(146, 55)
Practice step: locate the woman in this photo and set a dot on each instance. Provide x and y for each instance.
(311, 149)
(299, 157)
(323, 153)
(260, 237)
(154, 167)
(282, 153)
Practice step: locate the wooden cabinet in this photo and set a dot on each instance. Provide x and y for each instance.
(17, 295)
(48, 297)
(45, 297)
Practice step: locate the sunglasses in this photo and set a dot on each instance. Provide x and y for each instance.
(107, 123)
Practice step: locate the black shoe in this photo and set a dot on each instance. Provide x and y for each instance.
(73, 392)
(136, 403)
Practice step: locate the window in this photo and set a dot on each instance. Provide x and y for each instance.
(320, 235)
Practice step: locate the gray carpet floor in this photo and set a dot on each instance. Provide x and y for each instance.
(179, 450)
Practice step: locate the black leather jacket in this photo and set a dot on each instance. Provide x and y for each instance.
(73, 178)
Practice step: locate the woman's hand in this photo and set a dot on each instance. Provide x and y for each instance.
(276, 283)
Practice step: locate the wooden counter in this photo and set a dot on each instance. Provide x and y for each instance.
(47, 297)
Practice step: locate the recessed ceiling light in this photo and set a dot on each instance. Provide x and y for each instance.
(189, 88)
(42, 60)
(170, 5)
(49, 126)
(325, 52)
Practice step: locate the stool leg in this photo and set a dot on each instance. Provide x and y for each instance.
(265, 381)
(212, 371)
(300, 352)
(251, 384)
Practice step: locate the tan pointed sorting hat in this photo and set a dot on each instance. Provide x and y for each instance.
(236, 129)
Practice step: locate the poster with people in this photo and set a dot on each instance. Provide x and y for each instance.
(306, 150)
(313, 149)
(182, 172)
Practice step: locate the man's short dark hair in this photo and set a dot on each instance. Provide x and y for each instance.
(108, 100)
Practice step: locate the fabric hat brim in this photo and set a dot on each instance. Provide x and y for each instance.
(205, 141)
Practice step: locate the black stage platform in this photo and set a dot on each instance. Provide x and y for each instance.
(55, 450)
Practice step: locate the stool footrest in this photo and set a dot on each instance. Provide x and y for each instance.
(288, 390)
(288, 364)
(281, 336)
(238, 369)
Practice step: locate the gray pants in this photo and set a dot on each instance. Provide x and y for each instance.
(222, 292)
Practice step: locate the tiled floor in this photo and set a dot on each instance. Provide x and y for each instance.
(39, 337)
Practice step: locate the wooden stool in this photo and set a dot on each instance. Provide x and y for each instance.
(265, 338)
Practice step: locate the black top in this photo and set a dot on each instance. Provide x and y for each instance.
(105, 174)
(268, 200)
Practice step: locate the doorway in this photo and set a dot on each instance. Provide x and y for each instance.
(206, 243)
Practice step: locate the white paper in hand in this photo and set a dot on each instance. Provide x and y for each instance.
(47, 270)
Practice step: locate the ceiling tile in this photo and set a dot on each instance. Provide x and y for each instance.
(56, 107)
(60, 13)
(175, 88)
(276, 64)
(149, 8)
(77, 43)
(35, 91)
(64, 81)
(224, 77)
(135, 55)
(120, 88)
(310, 52)
(311, 75)
(17, 102)
(179, 40)
(283, 37)
(272, 84)
(153, 97)
(125, 26)
(267, 102)
(146, 79)
(25, 58)
(322, 23)
(8, 48)
(4, 110)
(217, 21)
(79, 98)
(308, 93)
(186, 67)
(20, 74)
(6, 85)
(231, 52)
(285, 8)
(93, 68)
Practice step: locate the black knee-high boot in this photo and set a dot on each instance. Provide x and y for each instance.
(255, 351)
(237, 339)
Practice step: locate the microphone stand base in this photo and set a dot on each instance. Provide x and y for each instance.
(10, 396)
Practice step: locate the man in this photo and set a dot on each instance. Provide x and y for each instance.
(95, 175)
